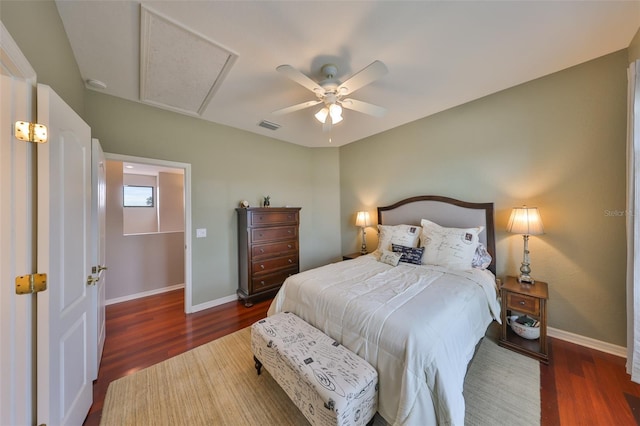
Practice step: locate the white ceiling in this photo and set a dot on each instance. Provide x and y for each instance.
(439, 53)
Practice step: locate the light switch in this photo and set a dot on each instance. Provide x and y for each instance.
(201, 232)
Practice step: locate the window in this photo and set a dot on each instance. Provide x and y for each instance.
(137, 196)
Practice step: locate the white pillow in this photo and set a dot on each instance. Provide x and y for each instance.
(404, 235)
(390, 257)
(453, 248)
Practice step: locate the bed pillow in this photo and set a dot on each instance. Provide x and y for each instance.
(390, 258)
(409, 254)
(453, 248)
(481, 259)
(404, 235)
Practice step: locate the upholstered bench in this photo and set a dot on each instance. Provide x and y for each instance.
(328, 383)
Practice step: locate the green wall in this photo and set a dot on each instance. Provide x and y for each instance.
(37, 28)
(557, 143)
(227, 165)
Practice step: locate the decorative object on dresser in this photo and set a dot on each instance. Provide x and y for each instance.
(523, 299)
(267, 250)
(526, 221)
(362, 220)
(267, 201)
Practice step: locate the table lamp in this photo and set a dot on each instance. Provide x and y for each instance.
(526, 221)
(362, 220)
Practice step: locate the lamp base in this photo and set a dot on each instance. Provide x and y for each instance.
(525, 278)
(363, 249)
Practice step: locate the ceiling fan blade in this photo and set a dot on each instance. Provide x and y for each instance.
(371, 72)
(297, 107)
(300, 78)
(363, 107)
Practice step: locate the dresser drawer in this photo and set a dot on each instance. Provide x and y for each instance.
(273, 218)
(272, 280)
(523, 303)
(271, 265)
(274, 234)
(274, 249)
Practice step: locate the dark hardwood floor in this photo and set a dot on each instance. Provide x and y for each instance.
(580, 386)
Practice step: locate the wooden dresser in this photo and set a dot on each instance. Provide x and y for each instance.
(267, 250)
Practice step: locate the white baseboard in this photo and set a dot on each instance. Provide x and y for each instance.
(143, 294)
(587, 342)
(213, 303)
(195, 308)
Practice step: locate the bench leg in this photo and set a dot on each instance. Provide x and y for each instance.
(258, 364)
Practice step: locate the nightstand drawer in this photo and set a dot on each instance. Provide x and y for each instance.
(522, 303)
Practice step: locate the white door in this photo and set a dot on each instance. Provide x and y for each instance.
(64, 385)
(17, 230)
(98, 236)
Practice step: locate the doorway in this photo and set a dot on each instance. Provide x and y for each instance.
(148, 257)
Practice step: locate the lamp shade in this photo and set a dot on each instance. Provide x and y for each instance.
(362, 219)
(525, 220)
(321, 115)
(335, 111)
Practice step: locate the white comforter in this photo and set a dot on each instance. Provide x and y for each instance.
(417, 325)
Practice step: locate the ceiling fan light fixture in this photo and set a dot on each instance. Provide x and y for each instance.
(330, 92)
(335, 111)
(321, 115)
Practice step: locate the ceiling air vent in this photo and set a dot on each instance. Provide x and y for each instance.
(269, 125)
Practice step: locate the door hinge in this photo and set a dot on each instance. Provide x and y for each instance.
(29, 284)
(30, 132)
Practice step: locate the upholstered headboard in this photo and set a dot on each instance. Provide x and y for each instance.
(445, 212)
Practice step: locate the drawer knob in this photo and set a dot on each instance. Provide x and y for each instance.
(261, 282)
(262, 266)
(290, 261)
(289, 245)
(261, 250)
(522, 302)
(260, 234)
(289, 230)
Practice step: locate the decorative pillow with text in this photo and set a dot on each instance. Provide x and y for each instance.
(404, 235)
(409, 254)
(453, 248)
(390, 258)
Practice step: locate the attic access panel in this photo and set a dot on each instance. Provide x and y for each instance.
(180, 70)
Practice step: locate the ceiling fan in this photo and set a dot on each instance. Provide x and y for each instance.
(331, 92)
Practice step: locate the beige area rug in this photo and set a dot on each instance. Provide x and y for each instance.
(217, 384)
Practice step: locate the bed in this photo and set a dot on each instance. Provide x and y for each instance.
(417, 323)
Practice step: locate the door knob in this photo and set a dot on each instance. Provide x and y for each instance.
(92, 280)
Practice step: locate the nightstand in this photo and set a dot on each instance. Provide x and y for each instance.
(530, 299)
(351, 256)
